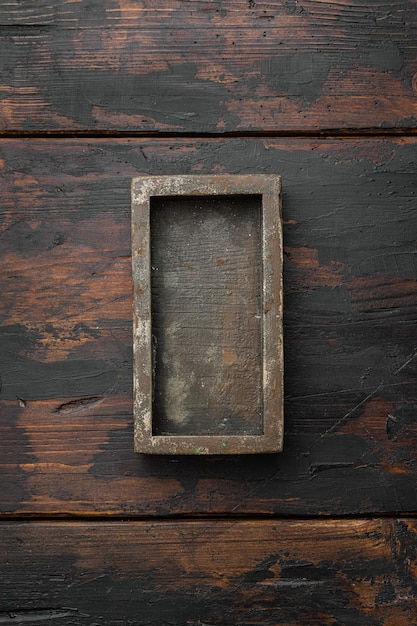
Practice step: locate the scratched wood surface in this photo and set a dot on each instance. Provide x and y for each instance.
(352, 572)
(207, 66)
(350, 224)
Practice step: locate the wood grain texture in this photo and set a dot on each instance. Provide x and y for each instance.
(204, 66)
(66, 427)
(354, 572)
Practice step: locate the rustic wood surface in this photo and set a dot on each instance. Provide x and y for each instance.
(66, 433)
(207, 66)
(352, 572)
(117, 72)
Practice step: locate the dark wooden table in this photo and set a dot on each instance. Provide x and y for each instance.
(93, 93)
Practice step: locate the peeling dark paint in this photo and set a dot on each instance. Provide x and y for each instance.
(15, 451)
(175, 96)
(30, 379)
(301, 75)
(386, 55)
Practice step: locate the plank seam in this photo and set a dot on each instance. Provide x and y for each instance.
(345, 133)
(103, 518)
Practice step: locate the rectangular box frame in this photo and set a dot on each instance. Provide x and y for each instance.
(269, 188)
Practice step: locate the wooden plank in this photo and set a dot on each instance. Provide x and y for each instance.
(217, 572)
(204, 66)
(350, 337)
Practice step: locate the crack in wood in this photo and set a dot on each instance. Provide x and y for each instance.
(75, 406)
(30, 616)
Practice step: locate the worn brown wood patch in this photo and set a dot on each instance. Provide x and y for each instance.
(207, 277)
(268, 573)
